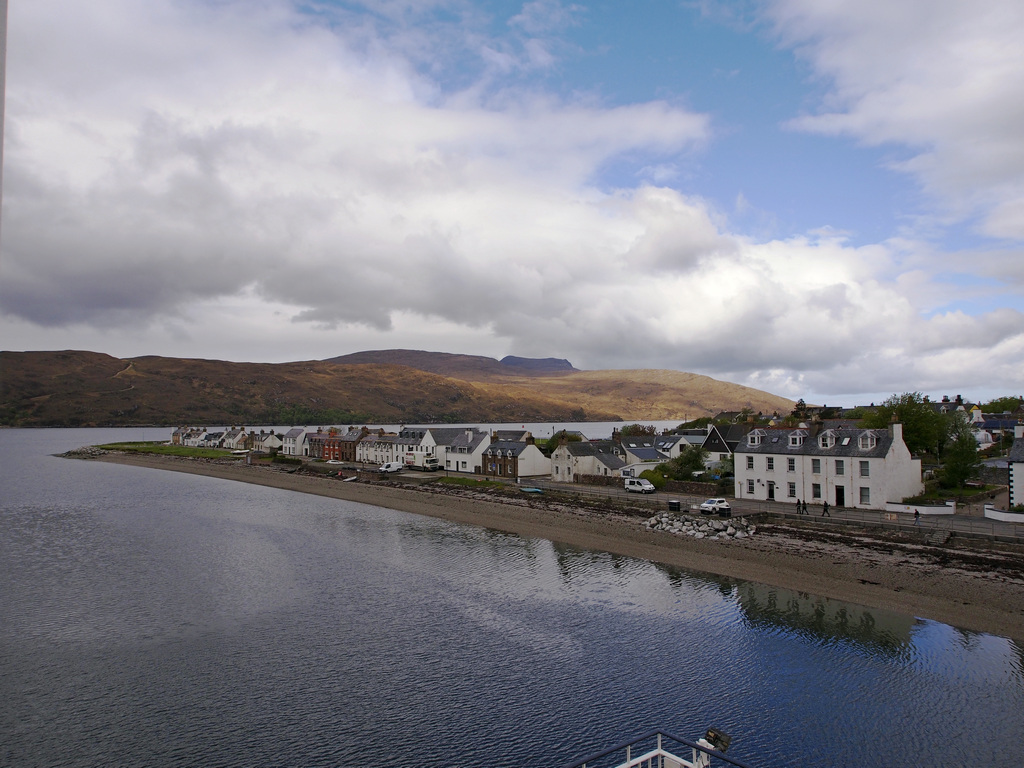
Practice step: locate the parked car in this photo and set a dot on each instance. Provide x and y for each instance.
(391, 466)
(715, 505)
(639, 485)
(334, 461)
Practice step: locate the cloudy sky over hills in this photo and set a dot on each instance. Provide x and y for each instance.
(825, 200)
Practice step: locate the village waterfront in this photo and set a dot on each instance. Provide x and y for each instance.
(156, 618)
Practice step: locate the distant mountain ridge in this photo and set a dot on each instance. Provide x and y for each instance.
(76, 388)
(449, 364)
(544, 364)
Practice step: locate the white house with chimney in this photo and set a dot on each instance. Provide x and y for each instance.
(844, 466)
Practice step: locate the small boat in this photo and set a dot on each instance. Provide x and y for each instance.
(659, 749)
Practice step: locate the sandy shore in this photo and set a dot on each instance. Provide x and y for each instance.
(962, 583)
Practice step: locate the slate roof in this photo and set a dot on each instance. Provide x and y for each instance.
(776, 442)
(294, 433)
(647, 454)
(605, 451)
(468, 441)
(511, 435)
(504, 447)
(1017, 450)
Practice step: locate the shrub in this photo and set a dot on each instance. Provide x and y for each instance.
(656, 478)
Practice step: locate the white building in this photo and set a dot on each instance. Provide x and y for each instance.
(846, 467)
(1017, 467)
(569, 461)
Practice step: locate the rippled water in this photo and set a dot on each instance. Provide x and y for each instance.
(154, 618)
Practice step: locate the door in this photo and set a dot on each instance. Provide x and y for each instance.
(840, 496)
(771, 490)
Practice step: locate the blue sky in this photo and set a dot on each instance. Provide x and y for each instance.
(821, 200)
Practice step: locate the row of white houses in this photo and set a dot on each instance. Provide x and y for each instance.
(824, 462)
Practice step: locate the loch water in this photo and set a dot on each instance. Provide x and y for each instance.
(152, 618)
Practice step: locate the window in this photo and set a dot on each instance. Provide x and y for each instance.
(750, 462)
(827, 439)
(769, 464)
(865, 469)
(816, 466)
(792, 490)
(816, 491)
(865, 495)
(754, 438)
(840, 467)
(791, 465)
(750, 487)
(868, 441)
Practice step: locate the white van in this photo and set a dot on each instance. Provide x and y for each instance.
(639, 485)
(391, 466)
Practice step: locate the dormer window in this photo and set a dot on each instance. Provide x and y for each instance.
(868, 441)
(827, 439)
(796, 439)
(755, 437)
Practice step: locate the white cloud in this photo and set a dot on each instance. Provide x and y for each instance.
(243, 181)
(941, 80)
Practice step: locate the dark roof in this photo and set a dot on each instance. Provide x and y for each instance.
(647, 454)
(1017, 450)
(504, 447)
(776, 442)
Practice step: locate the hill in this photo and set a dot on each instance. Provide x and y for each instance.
(72, 388)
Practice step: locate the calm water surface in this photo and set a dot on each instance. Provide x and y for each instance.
(151, 618)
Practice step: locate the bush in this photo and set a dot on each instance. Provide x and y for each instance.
(656, 478)
(279, 459)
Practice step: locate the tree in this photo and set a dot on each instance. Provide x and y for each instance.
(923, 428)
(688, 463)
(960, 460)
(1003, 405)
(557, 438)
(632, 430)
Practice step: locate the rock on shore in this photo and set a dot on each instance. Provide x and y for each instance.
(701, 527)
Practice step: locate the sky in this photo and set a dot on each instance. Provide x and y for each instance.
(824, 200)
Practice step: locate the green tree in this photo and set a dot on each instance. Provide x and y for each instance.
(548, 447)
(656, 478)
(688, 463)
(633, 430)
(960, 460)
(1002, 404)
(923, 427)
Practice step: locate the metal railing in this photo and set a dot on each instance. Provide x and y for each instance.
(651, 751)
(958, 525)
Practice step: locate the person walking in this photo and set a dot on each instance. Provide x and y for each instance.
(798, 511)
(824, 510)
(917, 517)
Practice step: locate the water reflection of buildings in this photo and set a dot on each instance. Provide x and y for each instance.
(824, 618)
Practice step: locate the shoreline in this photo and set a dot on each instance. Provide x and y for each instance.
(969, 587)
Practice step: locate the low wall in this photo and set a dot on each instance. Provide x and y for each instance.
(1001, 514)
(949, 508)
(707, 490)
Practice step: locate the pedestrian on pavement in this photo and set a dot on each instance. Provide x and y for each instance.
(917, 517)
(805, 508)
(824, 510)
(798, 506)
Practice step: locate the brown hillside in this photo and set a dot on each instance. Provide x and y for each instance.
(86, 388)
(466, 367)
